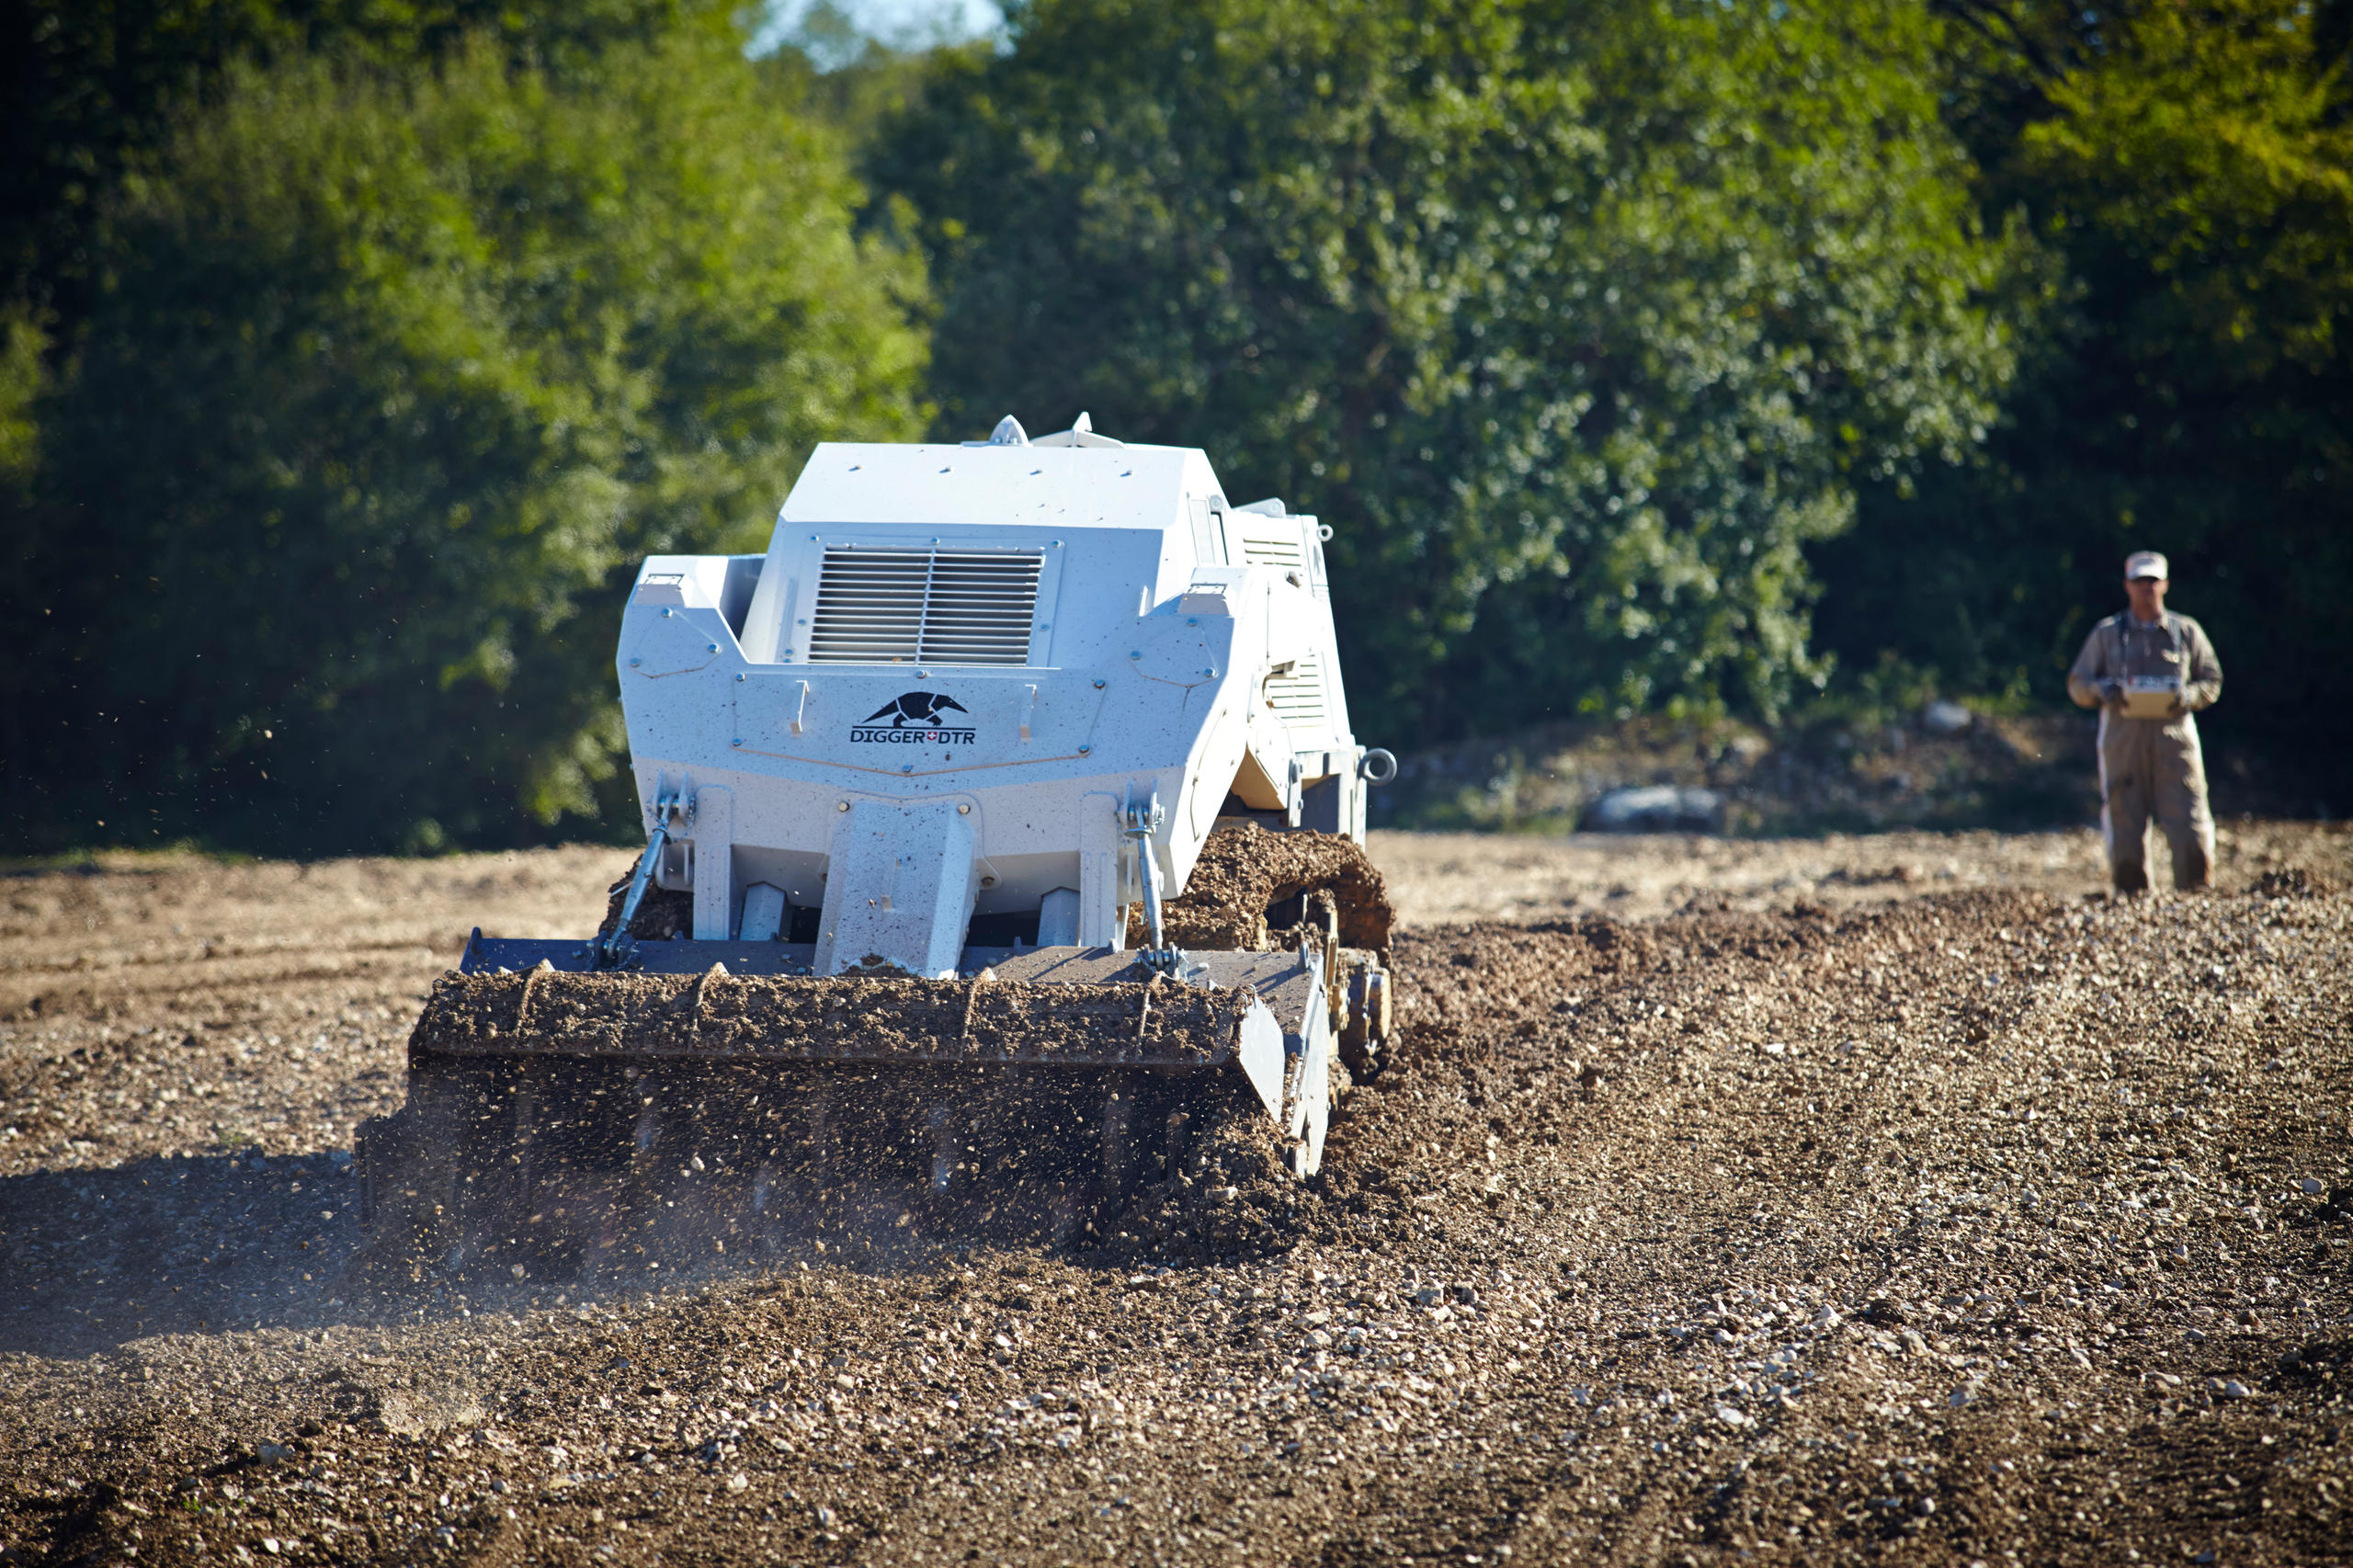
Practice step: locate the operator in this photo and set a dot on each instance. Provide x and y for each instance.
(2149, 765)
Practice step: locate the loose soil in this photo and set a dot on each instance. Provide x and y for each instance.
(1448, 877)
(1885, 1198)
(1245, 872)
(663, 915)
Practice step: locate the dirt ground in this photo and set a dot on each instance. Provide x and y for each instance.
(1447, 877)
(1886, 1198)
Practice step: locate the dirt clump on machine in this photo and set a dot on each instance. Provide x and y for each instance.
(716, 1015)
(663, 915)
(1246, 875)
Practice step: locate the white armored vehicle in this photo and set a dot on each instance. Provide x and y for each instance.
(925, 790)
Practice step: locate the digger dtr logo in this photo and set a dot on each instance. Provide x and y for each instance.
(923, 708)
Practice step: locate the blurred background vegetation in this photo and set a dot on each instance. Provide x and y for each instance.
(1755, 371)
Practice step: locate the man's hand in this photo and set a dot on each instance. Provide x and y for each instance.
(2111, 693)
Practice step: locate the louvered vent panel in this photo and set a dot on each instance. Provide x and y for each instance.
(869, 606)
(1268, 541)
(1298, 697)
(947, 606)
(981, 606)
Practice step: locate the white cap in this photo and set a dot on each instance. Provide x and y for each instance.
(2144, 564)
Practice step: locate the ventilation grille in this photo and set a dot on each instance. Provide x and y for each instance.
(933, 606)
(1268, 541)
(1298, 697)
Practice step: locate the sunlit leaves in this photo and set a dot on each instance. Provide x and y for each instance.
(1576, 322)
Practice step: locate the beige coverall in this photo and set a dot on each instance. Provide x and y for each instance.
(2151, 767)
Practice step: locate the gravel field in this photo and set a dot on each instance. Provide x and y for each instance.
(1447, 877)
(1802, 1201)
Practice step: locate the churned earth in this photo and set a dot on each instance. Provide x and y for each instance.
(1819, 1200)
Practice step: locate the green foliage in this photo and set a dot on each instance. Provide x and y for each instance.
(88, 86)
(1578, 322)
(1647, 356)
(2191, 168)
(833, 70)
(394, 379)
(24, 374)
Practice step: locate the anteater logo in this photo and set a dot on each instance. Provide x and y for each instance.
(925, 708)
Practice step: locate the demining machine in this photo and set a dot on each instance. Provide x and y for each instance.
(1002, 839)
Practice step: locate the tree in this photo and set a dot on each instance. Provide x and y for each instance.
(395, 377)
(2191, 168)
(89, 88)
(1578, 322)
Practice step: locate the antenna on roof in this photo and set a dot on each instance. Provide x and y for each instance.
(1080, 434)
